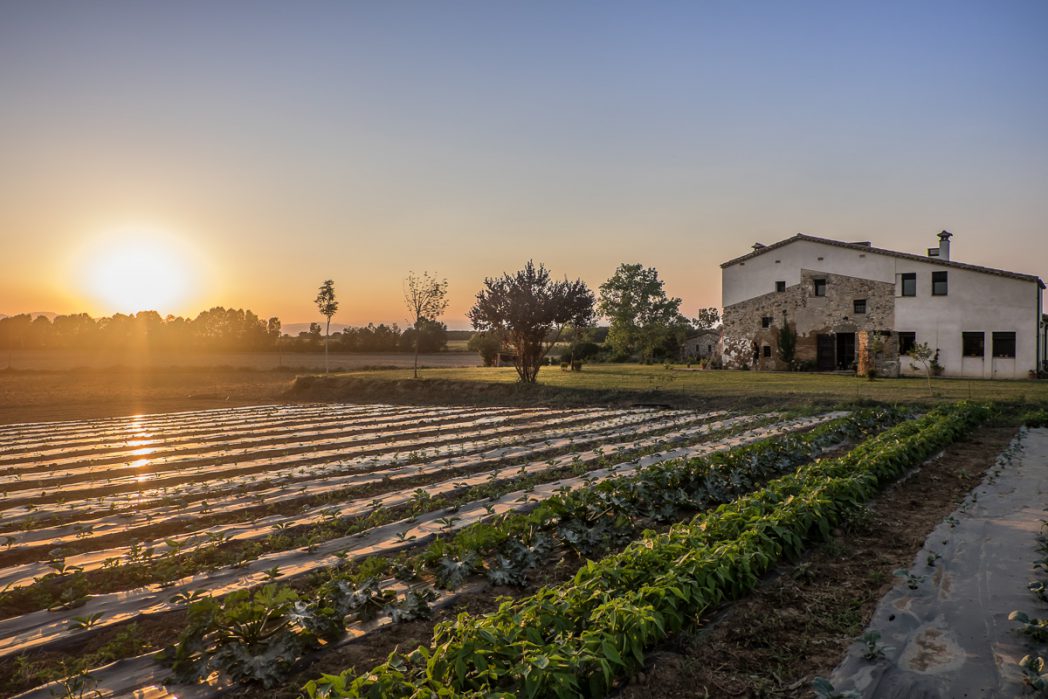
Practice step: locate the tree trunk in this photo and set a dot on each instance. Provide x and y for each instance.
(418, 336)
(327, 334)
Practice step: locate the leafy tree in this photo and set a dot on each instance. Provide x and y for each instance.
(426, 298)
(487, 345)
(787, 343)
(927, 358)
(430, 336)
(707, 318)
(327, 305)
(643, 319)
(530, 310)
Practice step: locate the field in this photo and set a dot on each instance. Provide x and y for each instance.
(256, 545)
(131, 358)
(602, 382)
(111, 522)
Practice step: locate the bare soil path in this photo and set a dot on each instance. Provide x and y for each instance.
(950, 635)
(802, 619)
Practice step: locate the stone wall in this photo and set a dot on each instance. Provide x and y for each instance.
(746, 342)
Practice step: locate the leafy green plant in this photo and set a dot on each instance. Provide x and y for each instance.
(913, 581)
(415, 605)
(1037, 587)
(873, 649)
(247, 637)
(1035, 628)
(1034, 675)
(83, 623)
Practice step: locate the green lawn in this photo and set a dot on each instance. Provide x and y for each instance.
(742, 384)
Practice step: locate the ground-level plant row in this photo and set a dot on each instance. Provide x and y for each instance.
(32, 509)
(226, 493)
(579, 637)
(96, 478)
(55, 450)
(300, 483)
(387, 539)
(385, 480)
(603, 509)
(39, 628)
(106, 432)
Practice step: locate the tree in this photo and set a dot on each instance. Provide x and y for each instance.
(707, 318)
(529, 311)
(431, 336)
(487, 345)
(426, 298)
(787, 343)
(926, 357)
(327, 305)
(643, 318)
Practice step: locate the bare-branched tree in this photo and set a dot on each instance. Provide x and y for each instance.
(426, 298)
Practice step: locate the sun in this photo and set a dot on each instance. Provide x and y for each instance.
(136, 272)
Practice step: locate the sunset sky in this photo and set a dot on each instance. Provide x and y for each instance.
(242, 152)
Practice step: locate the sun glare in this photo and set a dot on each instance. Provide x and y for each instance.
(137, 272)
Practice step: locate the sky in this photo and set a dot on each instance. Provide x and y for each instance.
(243, 152)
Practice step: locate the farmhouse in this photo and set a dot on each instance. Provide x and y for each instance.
(852, 306)
(701, 346)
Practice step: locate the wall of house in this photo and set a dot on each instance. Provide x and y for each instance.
(744, 337)
(701, 346)
(757, 275)
(976, 301)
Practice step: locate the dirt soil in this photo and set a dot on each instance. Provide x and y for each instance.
(799, 622)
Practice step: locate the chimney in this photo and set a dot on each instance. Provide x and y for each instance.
(944, 245)
(943, 251)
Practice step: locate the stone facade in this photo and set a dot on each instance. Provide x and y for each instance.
(851, 318)
(702, 346)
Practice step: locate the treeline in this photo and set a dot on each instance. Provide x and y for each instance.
(433, 337)
(214, 329)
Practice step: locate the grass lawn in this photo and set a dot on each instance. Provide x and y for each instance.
(742, 384)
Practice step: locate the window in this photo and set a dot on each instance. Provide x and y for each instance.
(859, 305)
(909, 284)
(938, 283)
(820, 287)
(1004, 344)
(973, 344)
(780, 287)
(767, 350)
(906, 342)
(766, 322)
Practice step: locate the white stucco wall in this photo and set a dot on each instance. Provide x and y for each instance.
(976, 301)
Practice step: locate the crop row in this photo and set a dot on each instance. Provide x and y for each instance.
(144, 488)
(297, 482)
(577, 638)
(387, 479)
(109, 430)
(586, 520)
(38, 628)
(378, 544)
